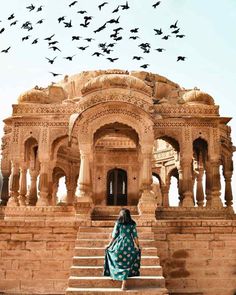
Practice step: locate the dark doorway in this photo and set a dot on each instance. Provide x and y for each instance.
(117, 187)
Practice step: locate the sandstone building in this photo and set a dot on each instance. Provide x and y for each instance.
(118, 139)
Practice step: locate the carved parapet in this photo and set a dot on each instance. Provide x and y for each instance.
(83, 210)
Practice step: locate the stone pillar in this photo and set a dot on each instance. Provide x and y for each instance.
(147, 203)
(70, 191)
(5, 187)
(165, 194)
(23, 185)
(199, 176)
(32, 194)
(180, 185)
(55, 186)
(228, 188)
(208, 184)
(43, 184)
(187, 182)
(216, 186)
(83, 202)
(14, 185)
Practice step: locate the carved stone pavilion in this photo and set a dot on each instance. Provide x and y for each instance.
(117, 139)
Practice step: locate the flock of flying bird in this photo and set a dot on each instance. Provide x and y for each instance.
(104, 49)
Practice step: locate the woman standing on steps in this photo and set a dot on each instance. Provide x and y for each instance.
(122, 257)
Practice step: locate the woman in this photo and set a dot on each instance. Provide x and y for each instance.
(122, 259)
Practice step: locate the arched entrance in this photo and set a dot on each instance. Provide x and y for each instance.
(117, 187)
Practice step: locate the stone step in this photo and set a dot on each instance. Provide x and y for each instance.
(100, 236)
(115, 291)
(83, 271)
(113, 210)
(99, 260)
(103, 243)
(100, 251)
(108, 229)
(107, 282)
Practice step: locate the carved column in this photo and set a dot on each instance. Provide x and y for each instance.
(165, 194)
(180, 185)
(199, 176)
(70, 190)
(147, 203)
(32, 194)
(228, 188)
(43, 184)
(208, 184)
(23, 185)
(84, 203)
(216, 186)
(187, 182)
(5, 187)
(55, 186)
(14, 185)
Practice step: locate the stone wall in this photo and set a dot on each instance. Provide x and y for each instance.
(35, 256)
(198, 256)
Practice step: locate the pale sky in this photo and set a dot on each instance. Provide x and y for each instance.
(209, 45)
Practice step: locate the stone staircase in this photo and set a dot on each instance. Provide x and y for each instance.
(87, 269)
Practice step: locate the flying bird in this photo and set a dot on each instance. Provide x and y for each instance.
(82, 47)
(25, 38)
(158, 32)
(89, 39)
(6, 50)
(100, 28)
(72, 3)
(40, 21)
(181, 58)
(144, 66)
(118, 38)
(116, 10)
(69, 57)
(138, 57)
(2, 30)
(54, 48)
(60, 19)
(156, 4)
(112, 59)
(40, 8)
(31, 7)
(68, 24)
(76, 38)
(51, 61)
(166, 37)
(160, 49)
(113, 21)
(97, 54)
(55, 74)
(176, 31)
(134, 30)
(14, 23)
(126, 6)
(49, 38)
(82, 11)
(174, 26)
(134, 37)
(35, 41)
(11, 16)
(52, 43)
(180, 36)
(101, 5)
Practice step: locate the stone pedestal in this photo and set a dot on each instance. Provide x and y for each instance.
(147, 205)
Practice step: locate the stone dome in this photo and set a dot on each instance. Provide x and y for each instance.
(116, 80)
(199, 97)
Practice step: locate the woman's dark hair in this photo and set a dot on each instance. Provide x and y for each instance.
(125, 217)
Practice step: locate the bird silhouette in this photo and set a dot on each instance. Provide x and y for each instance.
(126, 6)
(97, 54)
(40, 21)
(72, 3)
(156, 4)
(40, 8)
(85, 25)
(166, 37)
(60, 19)
(14, 23)
(51, 61)
(76, 38)
(35, 41)
(158, 32)
(116, 10)
(6, 50)
(25, 38)
(137, 57)
(108, 51)
(134, 37)
(89, 39)
(87, 17)
(181, 58)
(49, 38)
(82, 11)
(180, 36)
(82, 47)
(118, 29)
(134, 30)
(100, 28)
(176, 31)
(11, 16)
(101, 5)
(69, 57)
(52, 43)
(68, 24)
(31, 7)
(112, 59)
(2, 30)
(111, 44)
(54, 48)
(144, 66)
(174, 26)
(118, 38)
(160, 49)
(55, 74)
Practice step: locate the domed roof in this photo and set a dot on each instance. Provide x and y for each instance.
(116, 80)
(198, 96)
(35, 95)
